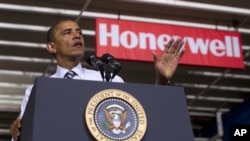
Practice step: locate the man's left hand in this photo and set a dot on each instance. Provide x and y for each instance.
(166, 64)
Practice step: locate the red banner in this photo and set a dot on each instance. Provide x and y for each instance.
(129, 40)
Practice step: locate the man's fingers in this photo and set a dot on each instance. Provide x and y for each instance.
(155, 57)
(177, 46)
(14, 129)
(174, 46)
(181, 52)
(18, 121)
(180, 46)
(168, 47)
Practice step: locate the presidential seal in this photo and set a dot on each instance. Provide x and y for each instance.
(115, 115)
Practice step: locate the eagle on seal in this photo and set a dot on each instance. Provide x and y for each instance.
(116, 120)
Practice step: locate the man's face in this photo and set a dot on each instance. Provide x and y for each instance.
(68, 41)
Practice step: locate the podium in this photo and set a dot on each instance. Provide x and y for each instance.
(56, 110)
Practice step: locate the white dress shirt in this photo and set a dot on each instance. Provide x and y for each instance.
(82, 73)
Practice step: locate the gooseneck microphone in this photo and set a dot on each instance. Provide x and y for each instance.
(110, 61)
(93, 61)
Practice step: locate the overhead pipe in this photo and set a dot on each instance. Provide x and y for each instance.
(85, 6)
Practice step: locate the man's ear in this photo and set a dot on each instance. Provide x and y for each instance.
(51, 47)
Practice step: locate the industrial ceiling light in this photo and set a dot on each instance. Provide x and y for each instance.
(25, 59)
(204, 86)
(35, 9)
(197, 5)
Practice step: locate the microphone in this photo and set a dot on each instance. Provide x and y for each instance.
(110, 60)
(93, 61)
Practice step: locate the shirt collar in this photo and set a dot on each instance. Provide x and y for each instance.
(60, 71)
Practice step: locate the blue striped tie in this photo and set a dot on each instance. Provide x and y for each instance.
(69, 75)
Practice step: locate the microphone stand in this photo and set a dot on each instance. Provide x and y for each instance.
(107, 71)
(101, 69)
(108, 76)
(112, 67)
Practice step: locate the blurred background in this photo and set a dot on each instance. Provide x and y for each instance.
(216, 98)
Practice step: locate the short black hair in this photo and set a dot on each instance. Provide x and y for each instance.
(50, 34)
(51, 31)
